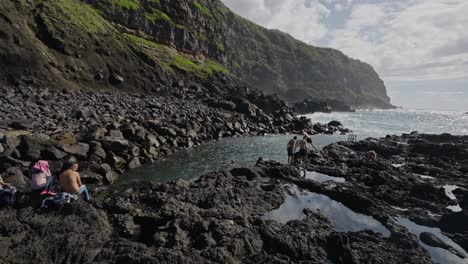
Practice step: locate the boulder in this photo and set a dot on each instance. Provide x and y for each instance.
(247, 108)
(152, 141)
(16, 177)
(115, 134)
(85, 113)
(52, 153)
(21, 124)
(79, 150)
(116, 145)
(454, 222)
(96, 134)
(166, 131)
(89, 177)
(334, 123)
(110, 177)
(65, 138)
(433, 241)
(31, 146)
(134, 163)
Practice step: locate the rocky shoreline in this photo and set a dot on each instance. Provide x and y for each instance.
(109, 132)
(221, 217)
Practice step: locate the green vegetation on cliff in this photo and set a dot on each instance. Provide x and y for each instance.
(152, 41)
(126, 4)
(168, 57)
(72, 14)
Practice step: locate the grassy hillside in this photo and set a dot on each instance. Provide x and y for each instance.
(155, 43)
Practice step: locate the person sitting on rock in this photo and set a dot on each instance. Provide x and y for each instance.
(41, 178)
(371, 155)
(290, 149)
(70, 181)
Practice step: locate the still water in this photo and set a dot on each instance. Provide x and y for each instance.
(343, 218)
(219, 155)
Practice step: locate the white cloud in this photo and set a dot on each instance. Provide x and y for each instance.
(300, 18)
(402, 39)
(339, 7)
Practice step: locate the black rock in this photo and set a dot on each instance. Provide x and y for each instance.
(433, 241)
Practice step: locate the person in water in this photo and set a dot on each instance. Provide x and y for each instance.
(41, 178)
(302, 145)
(70, 181)
(290, 149)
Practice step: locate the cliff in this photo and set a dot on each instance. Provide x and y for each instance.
(149, 45)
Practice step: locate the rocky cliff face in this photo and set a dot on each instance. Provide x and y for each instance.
(147, 44)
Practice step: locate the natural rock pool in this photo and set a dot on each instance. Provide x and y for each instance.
(343, 218)
(438, 255)
(219, 155)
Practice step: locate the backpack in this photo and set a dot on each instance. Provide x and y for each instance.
(7, 196)
(58, 200)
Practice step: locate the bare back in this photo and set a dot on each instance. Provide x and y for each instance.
(70, 181)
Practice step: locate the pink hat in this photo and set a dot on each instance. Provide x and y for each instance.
(41, 165)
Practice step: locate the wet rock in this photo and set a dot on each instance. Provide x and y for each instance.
(335, 124)
(354, 247)
(454, 222)
(433, 241)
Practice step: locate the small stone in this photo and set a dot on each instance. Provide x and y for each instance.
(116, 79)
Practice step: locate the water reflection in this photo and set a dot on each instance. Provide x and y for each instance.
(438, 255)
(449, 191)
(343, 218)
(320, 177)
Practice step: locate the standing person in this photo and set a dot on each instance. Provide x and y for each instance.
(308, 138)
(302, 145)
(41, 178)
(70, 181)
(290, 149)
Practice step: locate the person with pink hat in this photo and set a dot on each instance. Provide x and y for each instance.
(41, 178)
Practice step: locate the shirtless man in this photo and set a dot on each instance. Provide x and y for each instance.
(302, 145)
(70, 181)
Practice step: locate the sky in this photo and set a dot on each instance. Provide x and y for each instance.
(416, 46)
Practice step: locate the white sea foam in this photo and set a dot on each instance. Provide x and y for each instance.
(378, 123)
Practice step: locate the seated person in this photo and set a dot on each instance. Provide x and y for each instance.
(70, 181)
(41, 178)
(371, 155)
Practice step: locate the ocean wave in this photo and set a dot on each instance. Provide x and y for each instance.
(377, 123)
